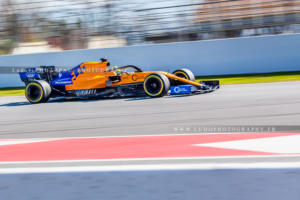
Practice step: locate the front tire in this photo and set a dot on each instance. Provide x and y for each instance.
(183, 73)
(156, 85)
(37, 91)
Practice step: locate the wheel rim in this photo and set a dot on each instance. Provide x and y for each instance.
(154, 86)
(34, 92)
(182, 75)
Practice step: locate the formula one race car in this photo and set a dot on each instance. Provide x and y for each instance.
(98, 79)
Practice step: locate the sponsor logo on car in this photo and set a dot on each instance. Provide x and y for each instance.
(179, 89)
(30, 74)
(182, 89)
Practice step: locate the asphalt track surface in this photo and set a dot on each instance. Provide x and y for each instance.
(248, 104)
(240, 177)
(243, 105)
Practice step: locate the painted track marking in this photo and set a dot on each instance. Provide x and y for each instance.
(281, 145)
(142, 147)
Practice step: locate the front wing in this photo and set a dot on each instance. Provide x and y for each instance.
(206, 86)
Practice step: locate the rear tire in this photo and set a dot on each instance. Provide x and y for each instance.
(183, 73)
(156, 85)
(38, 91)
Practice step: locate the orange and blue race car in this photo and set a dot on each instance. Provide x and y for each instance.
(99, 79)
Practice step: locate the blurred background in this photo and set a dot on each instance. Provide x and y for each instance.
(55, 25)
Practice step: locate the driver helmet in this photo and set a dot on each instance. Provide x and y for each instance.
(116, 69)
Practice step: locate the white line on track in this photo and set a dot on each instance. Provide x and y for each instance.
(281, 145)
(114, 168)
(25, 141)
(159, 135)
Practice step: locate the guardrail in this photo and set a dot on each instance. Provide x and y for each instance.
(211, 57)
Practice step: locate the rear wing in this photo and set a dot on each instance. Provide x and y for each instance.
(30, 74)
(46, 73)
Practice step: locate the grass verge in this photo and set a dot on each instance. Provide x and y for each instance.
(12, 91)
(253, 78)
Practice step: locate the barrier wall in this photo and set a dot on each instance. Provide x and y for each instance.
(212, 57)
